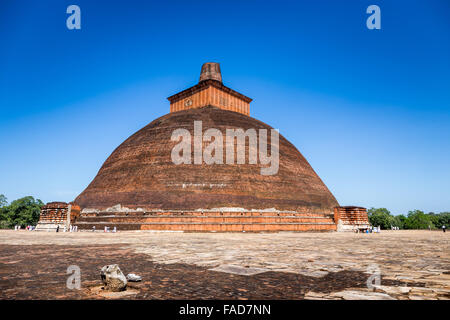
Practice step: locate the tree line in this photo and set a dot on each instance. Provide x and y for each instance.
(24, 211)
(415, 219)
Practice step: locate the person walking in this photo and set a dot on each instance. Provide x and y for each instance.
(443, 228)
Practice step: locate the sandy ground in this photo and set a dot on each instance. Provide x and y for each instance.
(176, 265)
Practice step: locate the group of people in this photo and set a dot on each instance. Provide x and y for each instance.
(28, 228)
(369, 230)
(71, 228)
(377, 229)
(107, 229)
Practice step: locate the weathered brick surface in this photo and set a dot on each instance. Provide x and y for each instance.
(413, 264)
(208, 221)
(55, 213)
(210, 92)
(350, 217)
(140, 173)
(211, 96)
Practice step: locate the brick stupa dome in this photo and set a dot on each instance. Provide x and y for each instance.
(141, 174)
(143, 185)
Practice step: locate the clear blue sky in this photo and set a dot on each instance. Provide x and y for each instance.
(369, 109)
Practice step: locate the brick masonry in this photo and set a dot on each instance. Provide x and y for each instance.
(55, 214)
(141, 174)
(210, 93)
(350, 218)
(207, 221)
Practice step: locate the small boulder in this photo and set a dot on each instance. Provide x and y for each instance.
(133, 277)
(113, 278)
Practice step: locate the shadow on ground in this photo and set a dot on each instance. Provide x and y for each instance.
(40, 272)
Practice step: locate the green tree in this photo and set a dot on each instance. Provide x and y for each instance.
(3, 201)
(380, 217)
(3, 219)
(443, 218)
(398, 221)
(24, 211)
(418, 220)
(434, 218)
(401, 220)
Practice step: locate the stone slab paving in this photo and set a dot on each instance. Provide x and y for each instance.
(412, 264)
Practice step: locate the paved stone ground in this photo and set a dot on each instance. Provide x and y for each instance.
(413, 265)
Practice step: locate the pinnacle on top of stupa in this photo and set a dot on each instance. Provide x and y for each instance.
(210, 71)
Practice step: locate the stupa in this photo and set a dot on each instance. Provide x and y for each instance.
(139, 187)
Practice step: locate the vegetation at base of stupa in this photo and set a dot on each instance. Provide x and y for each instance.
(24, 211)
(415, 219)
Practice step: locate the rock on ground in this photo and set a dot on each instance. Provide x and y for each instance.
(113, 278)
(134, 277)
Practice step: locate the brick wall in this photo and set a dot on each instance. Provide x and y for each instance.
(212, 96)
(208, 221)
(56, 213)
(351, 218)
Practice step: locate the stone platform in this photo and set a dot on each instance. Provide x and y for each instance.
(207, 221)
(413, 265)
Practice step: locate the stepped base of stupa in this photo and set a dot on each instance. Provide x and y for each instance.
(207, 221)
(50, 227)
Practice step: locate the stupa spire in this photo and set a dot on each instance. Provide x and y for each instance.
(210, 71)
(210, 91)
